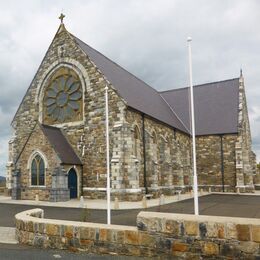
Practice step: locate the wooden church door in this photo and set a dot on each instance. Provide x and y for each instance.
(73, 183)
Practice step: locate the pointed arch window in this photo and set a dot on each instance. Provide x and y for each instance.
(136, 142)
(37, 171)
(154, 138)
(154, 146)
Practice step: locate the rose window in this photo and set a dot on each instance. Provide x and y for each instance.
(63, 100)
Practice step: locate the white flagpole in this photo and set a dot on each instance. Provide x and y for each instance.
(108, 164)
(195, 181)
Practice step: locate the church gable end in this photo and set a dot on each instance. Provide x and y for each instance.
(63, 93)
(68, 92)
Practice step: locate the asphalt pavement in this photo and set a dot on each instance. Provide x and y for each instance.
(21, 252)
(235, 205)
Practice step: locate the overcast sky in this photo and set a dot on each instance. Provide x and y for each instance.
(147, 37)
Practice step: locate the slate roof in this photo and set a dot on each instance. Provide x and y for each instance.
(61, 146)
(134, 91)
(216, 104)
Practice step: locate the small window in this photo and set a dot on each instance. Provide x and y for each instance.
(37, 171)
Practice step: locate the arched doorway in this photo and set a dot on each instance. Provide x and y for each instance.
(73, 183)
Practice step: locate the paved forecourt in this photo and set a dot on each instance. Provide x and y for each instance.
(232, 205)
(22, 252)
(100, 204)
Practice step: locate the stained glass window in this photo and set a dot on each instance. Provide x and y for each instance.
(63, 99)
(37, 171)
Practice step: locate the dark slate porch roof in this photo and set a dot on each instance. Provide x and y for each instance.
(61, 146)
(216, 106)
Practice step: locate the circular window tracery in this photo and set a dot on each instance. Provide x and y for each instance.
(63, 98)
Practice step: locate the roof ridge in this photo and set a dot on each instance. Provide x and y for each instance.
(117, 64)
(199, 85)
(175, 113)
(168, 108)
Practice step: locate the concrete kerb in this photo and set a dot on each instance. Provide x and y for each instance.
(256, 193)
(101, 204)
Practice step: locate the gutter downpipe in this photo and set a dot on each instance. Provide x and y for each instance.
(144, 154)
(222, 162)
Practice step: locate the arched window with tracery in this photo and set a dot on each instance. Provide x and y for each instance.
(63, 98)
(37, 171)
(136, 142)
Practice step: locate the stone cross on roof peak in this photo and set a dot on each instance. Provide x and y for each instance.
(61, 17)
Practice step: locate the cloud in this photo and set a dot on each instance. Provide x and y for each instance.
(146, 37)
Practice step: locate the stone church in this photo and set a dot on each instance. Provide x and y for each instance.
(58, 149)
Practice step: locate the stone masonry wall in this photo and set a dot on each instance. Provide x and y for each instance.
(37, 143)
(86, 137)
(244, 163)
(209, 162)
(239, 161)
(158, 235)
(167, 155)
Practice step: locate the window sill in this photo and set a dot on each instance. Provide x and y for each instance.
(34, 187)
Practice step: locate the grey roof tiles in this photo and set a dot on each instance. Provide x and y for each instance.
(216, 104)
(61, 146)
(134, 91)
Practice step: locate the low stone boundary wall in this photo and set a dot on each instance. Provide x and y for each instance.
(209, 237)
(2, 190)
(162, 235)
